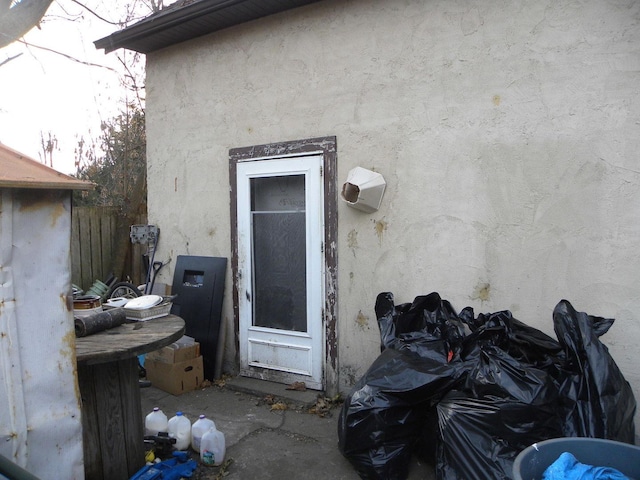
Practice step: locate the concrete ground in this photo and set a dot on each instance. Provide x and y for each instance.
(264, 442)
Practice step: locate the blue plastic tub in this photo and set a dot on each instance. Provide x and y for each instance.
(531, 463)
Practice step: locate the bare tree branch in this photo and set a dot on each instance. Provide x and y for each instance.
(95, 14)
(68, 57)
(132, 78)
(18, 19)
(7, 60)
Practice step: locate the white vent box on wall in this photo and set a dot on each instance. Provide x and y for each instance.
(363, 189)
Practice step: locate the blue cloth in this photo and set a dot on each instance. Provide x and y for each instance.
(567, 467)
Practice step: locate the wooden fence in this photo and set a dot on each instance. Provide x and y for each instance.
(93, 244)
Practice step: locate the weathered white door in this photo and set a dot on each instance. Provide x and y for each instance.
(280, 242)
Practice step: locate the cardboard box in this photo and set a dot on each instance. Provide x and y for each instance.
(175, 378)
(175, 355)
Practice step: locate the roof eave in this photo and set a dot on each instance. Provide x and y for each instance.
(19, 171)
(34, 185)
(135, 36)
(145, 28)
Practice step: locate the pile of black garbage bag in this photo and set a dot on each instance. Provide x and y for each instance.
(468, 393)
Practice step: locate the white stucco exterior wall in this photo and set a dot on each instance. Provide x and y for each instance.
(508, 134)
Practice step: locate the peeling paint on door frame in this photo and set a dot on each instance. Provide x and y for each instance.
(328, 147)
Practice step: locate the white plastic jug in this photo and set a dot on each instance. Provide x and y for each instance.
(198, 429)
(179, 427)
(155, 422)
(212, 448)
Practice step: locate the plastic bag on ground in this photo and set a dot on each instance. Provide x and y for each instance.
(479, 438)
(383, 414)
(385, 411)
(597, 400)
(469, 393)
(501, 393)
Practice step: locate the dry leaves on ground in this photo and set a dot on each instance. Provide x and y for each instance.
(279, 406)
(323, 405)
(298, 386)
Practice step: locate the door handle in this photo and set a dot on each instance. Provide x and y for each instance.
(248, 295)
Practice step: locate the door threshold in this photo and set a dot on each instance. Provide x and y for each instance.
(263, 388)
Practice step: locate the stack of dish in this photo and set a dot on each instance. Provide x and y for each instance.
(143, 302)
(147, 307)
(86, 305)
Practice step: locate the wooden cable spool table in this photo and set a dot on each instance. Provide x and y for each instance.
(108, 374)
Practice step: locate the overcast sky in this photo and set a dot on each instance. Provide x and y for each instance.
(45, 92)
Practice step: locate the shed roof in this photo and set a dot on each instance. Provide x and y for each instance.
(19, 171)
(188, 19)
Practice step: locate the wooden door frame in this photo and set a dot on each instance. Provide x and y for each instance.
(327, 147)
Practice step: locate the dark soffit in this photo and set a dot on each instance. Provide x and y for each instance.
(188, 19)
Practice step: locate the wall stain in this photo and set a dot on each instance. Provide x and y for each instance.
(68, 349)
(380, 226)
(362, 320)
(352, 239)
(350, 374)
(52, 200)
(496, 100)
(481, 292)
(57, 212)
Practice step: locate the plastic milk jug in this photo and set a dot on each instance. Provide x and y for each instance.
(155, 422)
(199, 428)
(179, 427)
(212, 448)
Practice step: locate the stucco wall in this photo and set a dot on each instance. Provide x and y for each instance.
(508, 134)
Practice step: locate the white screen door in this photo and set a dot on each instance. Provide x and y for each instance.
(280, 235)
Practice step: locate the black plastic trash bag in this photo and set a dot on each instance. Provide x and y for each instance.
(522, 342)
(506, 402)
(504, 406)
(384, 413)
(469, 393)
(480, 437)
(428, 318)
(597, 400)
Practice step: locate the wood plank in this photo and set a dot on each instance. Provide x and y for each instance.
(106, 236)
(96, 245)
(138, 274)
(132, 414)
(76, 270)
(90, 431)
(107, 383)
(85, 251)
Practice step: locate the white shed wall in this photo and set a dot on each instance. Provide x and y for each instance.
(508, 134)
(40, 422)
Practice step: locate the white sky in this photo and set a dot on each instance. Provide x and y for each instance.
(44, 92)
